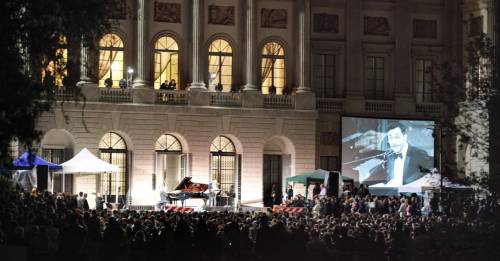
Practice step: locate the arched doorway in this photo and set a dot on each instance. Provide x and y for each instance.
(113, 149)
(223, 168)
(170, 163)
(57, 146)
(277, 163)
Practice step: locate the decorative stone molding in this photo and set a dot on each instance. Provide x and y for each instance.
(167, 12)
(273, 18)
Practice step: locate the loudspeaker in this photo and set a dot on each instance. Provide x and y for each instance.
(42, 177)
(333, 183)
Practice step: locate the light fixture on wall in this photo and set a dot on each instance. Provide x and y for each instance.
(130, 74)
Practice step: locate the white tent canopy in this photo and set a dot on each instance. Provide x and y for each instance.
(86, 162)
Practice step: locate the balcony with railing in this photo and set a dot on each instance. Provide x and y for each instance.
(329, 105)
(379, 106)
(64, 93)
(115, 95)
(428, 108)
(171, 97)
(225, 99)
(272, 101)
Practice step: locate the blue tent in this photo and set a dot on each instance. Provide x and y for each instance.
(28, 161)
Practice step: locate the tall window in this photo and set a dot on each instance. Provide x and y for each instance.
(223, 164)
(423, 80)
(374, 77)
(113, 150)
(170, 163)
(166, 61)
(273, 67)
(324, 75)
(57, 69)
(111, 55)
(220, 65)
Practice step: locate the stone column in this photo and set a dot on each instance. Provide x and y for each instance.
(197, 83)
(403, 50)
(250, 46)
(304, 46)
(140, 80)
(354, 64)
(84, 66)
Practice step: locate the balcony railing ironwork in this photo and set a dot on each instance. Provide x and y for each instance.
(171, 97)
(225, 99)
(115, 95)
(278, 101)
(330, 104)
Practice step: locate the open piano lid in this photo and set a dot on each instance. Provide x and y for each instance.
(187, 186)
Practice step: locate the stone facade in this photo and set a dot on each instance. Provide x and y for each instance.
(308, 30)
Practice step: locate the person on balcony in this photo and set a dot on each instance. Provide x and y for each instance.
(172, 84)
(108, 83)
(272, 89)
(164, 85)
(123, 84)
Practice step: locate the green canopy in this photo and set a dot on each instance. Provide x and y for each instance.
(318, 174)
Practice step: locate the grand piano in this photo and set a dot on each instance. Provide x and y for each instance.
(185, 190)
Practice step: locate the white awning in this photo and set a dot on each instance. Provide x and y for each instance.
(86, 162)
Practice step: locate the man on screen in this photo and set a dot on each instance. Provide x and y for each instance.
(405, 163)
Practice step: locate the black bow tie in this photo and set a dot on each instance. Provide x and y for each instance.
(399, 155)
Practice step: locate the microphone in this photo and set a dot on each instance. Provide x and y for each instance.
(423, 170)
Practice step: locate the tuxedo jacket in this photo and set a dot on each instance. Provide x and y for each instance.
(415, 160)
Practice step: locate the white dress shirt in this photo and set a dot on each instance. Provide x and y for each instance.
(398, 170)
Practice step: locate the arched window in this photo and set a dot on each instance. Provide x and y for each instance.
(220, 65)
(113, 150)
(170, 163)
(223, 164)
(111, 59)
(273, 67)
(57, 68)
(166, 61)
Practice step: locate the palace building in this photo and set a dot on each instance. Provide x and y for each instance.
(246, 92)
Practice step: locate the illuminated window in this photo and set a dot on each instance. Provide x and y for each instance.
(166, 61)
(423, 80)
(111, 54)
(58, 67)
(113, 150)
(223, 164)
(273, 67)
(220, 65)
(374, 77)
(168, 143)
(170, 163)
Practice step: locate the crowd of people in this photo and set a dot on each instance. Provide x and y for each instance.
(60, 227)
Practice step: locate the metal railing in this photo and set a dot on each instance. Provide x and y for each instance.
(428, 108)
(64, 93)
(225, 99)
(278, 101)
(171, 97)
(115, 95)
(379, 106)
(330, 104)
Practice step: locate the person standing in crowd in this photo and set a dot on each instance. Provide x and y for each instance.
(316, 190)
(323, 191)
(289, 192)
(275, 196)
(85, 202)
(80, 200)
(99, 202)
